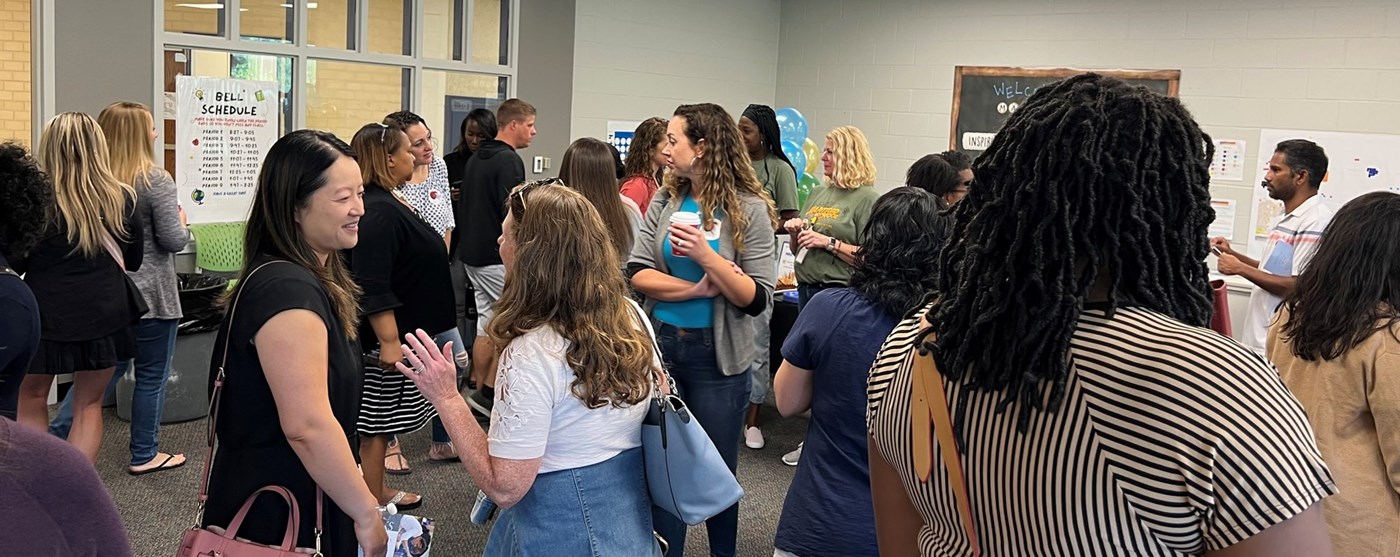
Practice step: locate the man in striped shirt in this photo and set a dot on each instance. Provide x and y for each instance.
(1294, 175)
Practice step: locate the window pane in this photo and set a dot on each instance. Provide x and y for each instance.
(266, 20)
(490, 35)
(342, 96)
(449, 96)
(195, 17)
(236, 65)
(442, 29)
(387, 22)
(328, 23)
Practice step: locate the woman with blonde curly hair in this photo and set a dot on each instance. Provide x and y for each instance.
(705, 284)
(87, 307)
(832, 225)
(563, 456)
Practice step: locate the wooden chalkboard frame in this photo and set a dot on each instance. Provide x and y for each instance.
(1172, 77)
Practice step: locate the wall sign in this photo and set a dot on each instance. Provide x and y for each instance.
(223, 129)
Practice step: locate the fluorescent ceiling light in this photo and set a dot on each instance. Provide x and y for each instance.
(208, 6)
(309, 6)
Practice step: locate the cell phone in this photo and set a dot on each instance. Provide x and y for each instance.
(1216, 251)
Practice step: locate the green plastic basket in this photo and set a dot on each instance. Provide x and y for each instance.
(219, 246)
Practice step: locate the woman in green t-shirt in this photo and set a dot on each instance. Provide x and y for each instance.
(832, 225)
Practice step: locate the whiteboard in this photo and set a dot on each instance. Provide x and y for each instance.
(1357, 163)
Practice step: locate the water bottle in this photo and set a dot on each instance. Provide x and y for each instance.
(483, 510)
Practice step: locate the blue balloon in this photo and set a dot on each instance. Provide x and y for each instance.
(791, 126)
(794, 153)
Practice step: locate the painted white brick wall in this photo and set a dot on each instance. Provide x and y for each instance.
(887, 65)
(634, 59)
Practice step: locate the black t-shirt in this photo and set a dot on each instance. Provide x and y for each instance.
(253, 451)
(401, 264)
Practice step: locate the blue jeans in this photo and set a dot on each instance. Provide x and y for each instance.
(719, 402)
(806, 291)
(155, 349)
(595, 510)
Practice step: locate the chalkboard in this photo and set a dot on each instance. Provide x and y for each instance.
(985, 96)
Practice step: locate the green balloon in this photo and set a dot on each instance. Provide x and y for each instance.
(805, 185)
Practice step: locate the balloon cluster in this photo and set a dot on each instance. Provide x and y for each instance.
(801, 150)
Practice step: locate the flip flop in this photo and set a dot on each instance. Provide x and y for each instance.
(442, 452)
(164, 465)
(397, 500)
(395, 463)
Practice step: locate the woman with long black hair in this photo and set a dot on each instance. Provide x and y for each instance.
(1336, 344)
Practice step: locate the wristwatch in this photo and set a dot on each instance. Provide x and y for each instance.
(831, 244)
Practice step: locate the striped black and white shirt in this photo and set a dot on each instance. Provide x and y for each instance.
(1171, 440)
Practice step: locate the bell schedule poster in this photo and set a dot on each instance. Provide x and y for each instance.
(223, 128)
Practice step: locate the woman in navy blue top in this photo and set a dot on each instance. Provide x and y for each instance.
(825, 360)
(25, 203)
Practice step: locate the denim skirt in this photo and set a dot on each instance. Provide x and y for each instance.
(600, 510)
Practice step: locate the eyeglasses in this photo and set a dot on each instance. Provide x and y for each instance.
(519, 193)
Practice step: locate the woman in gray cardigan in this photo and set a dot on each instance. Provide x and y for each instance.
(704, 285)
(130, 132)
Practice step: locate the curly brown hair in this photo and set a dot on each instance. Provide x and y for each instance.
(583, 296)
(725, 165)
(644, 141)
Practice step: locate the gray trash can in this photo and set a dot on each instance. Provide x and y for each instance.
(187, 389)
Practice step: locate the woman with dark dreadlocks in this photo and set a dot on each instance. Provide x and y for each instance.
(759, 129)
(1087, 409)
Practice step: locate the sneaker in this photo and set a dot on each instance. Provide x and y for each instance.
(753, 437)
(481, 403)
(791, 458)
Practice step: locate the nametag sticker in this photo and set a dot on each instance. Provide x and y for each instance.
(713, 233)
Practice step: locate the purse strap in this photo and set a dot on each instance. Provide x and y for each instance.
(216, 398)
(666, 387)
(110, 244)
(930, 403)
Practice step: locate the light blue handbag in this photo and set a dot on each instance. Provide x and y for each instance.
(685, 474)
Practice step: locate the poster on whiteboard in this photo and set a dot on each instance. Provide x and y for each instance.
(1358, 163)
(223, 128)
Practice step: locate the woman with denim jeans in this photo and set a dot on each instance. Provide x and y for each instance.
(563, 457)
(705, 285)
(428, 192)
(832, 226)
(131, 135)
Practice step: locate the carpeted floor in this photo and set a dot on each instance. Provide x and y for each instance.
(157, 507)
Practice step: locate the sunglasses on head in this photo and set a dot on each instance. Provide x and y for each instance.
(519, 193)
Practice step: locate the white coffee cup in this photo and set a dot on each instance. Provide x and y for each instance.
(687, 218)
